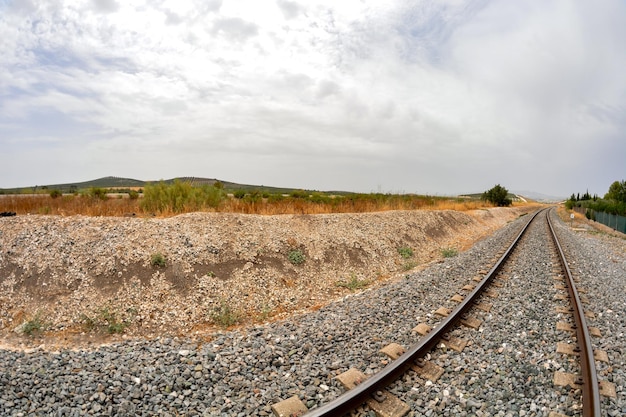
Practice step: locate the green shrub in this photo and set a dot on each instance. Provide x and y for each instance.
(158, 260)
(133, 195)
(405, 252)
(497, 195)
(449, 252)
(225, 316)
(296, 257)
(106, 320)
(275, 198)
(180, 197)
(253, 197)
(34, 325)
(88, 322)
(239, 194)
(55, 193)
(97, 193)
(409, 265)
(299, 194)
(353, 284)
(116, 327)
(109, 320)
(265, 313)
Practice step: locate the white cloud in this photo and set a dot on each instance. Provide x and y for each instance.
(290, 9)
(106, 6)
(473, 91)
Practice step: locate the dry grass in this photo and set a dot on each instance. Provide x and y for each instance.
(118, 207)
(68, 205)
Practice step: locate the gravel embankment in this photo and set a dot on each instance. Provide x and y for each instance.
(506, 371)
(79, 274)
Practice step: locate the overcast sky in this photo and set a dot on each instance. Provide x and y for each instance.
(428, 96)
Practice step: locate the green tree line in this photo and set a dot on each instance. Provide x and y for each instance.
(614, 201)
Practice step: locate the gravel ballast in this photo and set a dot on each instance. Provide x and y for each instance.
(505, 371)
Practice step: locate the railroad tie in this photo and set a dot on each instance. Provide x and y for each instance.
(382, 403)
(291, 407)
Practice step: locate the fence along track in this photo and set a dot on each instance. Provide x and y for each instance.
(590, 384)
(365, 390)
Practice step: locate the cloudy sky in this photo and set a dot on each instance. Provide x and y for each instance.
(427, 96)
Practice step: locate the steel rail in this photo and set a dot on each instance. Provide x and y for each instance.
(590, 385)
(361, 393)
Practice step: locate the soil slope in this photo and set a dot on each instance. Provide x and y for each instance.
(81, 280)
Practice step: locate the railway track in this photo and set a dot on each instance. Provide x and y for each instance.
(471, 308)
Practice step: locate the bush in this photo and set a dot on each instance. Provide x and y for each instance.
(97, 193)
(225, 316)
(111, 323)
(239, 194)
(105, 320)
(299, 194)
(409, 265)
(497, 195)
(449, 252)
(405, 252)
(55, 193)
(133, 195)
(180, 197)
(296, 257)
(253, 197)
(34, 325)
(158, 260)
(353, 284)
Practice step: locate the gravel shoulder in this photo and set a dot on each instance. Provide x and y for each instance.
(91, 280)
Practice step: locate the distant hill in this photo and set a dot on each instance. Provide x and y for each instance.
(119, 182)
(540, 197)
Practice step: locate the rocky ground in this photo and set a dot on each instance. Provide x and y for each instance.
(78, 281)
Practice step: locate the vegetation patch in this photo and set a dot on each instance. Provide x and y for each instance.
(296, 256)
(158, 260)
(353, 283)
(180, 197)
(498, 195)
(33, 326)
(614, 201)
(409, 265)
(265, 312)
(449, 252)
(225, 315)
(405, 252)
(97, 193)
(184, 195)
(105, 320)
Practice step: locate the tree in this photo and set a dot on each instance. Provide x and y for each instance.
(497, 195)
(617, 191)
(586, 196)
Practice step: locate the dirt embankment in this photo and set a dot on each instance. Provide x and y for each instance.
(93, 278)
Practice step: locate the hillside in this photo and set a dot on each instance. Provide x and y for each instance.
(119, 182)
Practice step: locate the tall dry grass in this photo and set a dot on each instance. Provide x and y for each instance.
(68, 205)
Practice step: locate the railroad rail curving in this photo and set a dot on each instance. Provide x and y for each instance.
(376, 383)
(590, 384)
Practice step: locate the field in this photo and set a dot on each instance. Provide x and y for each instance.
(115, 196)
(248, 203)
